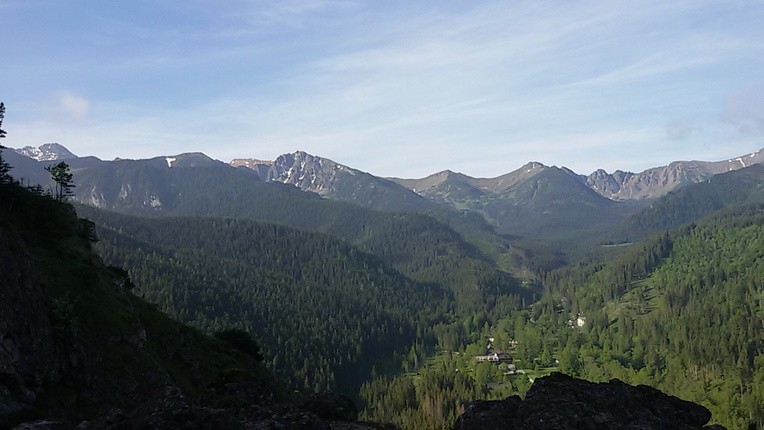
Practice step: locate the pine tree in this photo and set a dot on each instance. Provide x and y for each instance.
(63, 178)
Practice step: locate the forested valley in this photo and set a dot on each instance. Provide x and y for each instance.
(327, 314)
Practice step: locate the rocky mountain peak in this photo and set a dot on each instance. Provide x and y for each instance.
(46, 152)
(304, 171)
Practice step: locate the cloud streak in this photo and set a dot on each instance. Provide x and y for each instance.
(74, 106)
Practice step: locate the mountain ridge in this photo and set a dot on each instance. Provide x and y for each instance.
(535, 205)
(659, 181)
(322, 175)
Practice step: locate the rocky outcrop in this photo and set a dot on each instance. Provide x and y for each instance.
(559, 401)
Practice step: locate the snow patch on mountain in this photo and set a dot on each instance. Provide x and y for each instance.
(46, 152)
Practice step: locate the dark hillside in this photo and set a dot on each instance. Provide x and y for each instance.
(75, 340)
(340, 311)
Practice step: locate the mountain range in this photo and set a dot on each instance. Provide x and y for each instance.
(336, 181)
(324, 176)
(513, 218)
(331, 179)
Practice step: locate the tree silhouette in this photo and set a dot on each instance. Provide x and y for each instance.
(63, 178)
(5, 168)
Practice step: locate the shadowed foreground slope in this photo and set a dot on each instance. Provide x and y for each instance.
(78, 348)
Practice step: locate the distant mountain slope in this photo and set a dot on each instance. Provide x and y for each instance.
(658, 181)
(459, 189)
(27, 170)
(433, 184)
(258, 167)
(695, 201)
(534, 200)
(446, 186)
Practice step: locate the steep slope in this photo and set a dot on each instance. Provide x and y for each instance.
(659, 181)
(75, 341)
(326, 313)
(552, 199)
(695, 201)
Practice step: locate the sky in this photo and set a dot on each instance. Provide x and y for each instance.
(394, 88)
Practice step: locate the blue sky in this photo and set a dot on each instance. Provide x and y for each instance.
(395, 88)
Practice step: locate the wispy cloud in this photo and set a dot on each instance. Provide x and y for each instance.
(73, 105)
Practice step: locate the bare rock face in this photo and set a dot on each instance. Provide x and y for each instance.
(307, 172)
(559, 401)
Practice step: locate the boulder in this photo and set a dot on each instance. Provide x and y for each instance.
(559, 401)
